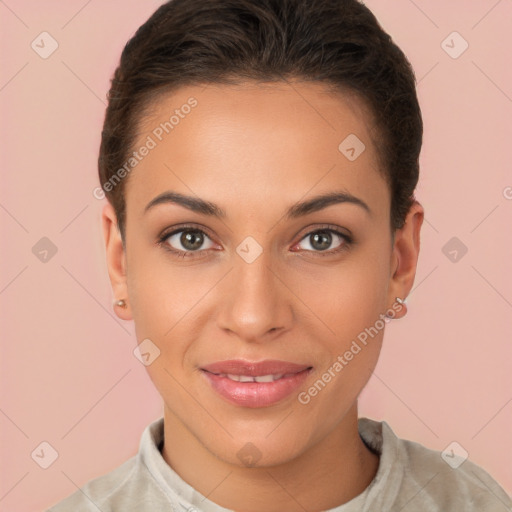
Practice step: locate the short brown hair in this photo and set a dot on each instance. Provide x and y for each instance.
(336, 42)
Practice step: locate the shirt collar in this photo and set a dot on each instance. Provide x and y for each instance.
(377, 436)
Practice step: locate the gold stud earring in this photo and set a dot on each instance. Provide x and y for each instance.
(121, 303)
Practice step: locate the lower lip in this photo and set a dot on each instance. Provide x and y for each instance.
(256, 394)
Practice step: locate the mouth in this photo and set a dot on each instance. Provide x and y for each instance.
(257, 378)
(255, 384)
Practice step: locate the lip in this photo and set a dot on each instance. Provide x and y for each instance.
(253, 368)
(255, 394)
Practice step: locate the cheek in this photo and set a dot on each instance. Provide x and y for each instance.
(347, 295)
(167, 300)
(160, 291)
(350, 296)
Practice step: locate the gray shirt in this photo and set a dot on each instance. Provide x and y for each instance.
(410, 477)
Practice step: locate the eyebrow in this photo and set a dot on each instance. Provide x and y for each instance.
(299, 209)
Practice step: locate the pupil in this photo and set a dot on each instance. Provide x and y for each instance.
(325, 236)
(191, 240)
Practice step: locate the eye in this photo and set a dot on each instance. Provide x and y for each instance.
(320, 240)
(186, 241)
(189, 241)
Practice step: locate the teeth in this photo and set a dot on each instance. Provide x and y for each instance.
(248, 378)
(266, 378)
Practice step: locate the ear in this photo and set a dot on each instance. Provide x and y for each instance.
(116, 260)
(406, 250)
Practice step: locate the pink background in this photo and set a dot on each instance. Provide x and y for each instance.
(68, 373)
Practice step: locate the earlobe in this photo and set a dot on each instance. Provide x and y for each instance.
(116, 262)
(405, 255)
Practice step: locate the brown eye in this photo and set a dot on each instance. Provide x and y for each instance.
(321, 240)
(187, 240)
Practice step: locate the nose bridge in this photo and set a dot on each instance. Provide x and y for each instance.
(255, 301)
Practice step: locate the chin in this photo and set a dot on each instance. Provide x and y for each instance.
(248, 449)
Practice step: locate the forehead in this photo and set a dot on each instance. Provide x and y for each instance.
(253, 142)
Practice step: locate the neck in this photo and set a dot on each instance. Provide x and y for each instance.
(331, 472)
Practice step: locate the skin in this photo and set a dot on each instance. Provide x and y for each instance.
(255, 150)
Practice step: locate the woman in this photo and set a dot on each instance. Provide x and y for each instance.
(260, 160)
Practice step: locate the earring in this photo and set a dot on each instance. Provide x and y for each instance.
(121, 303)
(390, 313)
(402, 303)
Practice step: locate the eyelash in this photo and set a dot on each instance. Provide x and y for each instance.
(193, 254)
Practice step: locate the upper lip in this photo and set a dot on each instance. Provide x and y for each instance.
(254, 368)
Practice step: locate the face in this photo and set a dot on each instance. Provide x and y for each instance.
(248, 275)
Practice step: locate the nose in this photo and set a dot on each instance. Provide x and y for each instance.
(256, 305)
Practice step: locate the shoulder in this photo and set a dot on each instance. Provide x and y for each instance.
(435, 480)
(102, 491)
(129, 487)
